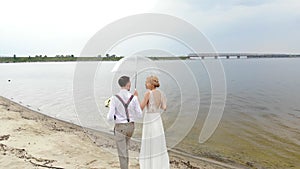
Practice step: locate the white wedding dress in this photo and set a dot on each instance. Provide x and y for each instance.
(154, 154)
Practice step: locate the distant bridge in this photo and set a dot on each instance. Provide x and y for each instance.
(240, 55)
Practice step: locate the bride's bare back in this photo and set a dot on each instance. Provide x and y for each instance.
(156, 101)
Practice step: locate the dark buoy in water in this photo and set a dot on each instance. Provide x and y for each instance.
(8, 80)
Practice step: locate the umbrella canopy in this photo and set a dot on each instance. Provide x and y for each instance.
(133, 65)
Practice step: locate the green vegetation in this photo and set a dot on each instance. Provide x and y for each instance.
(57, 58)
(71, 58)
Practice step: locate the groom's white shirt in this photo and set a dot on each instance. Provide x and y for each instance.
(117, 109)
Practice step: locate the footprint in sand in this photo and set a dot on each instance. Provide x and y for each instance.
(91, 162)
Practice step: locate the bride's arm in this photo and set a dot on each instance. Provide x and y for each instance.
(163, 102)
(145, 100)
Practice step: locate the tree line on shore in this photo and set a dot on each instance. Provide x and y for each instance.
(70, 58)
(58, 58)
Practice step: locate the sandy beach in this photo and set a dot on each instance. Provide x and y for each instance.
(29, 139)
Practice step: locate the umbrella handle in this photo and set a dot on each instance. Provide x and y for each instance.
(135, 80)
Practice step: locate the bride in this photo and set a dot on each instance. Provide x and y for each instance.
(153, 154)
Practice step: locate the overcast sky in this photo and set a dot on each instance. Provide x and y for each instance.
(63, 26)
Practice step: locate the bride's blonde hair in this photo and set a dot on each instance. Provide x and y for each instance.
(153, 80)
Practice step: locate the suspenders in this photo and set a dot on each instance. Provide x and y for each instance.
(125, 105)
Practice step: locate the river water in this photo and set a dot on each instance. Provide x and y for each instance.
(260, 123)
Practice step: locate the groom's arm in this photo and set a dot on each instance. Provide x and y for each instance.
(137, 107)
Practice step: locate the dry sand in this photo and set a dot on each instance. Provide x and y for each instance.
(29, 139)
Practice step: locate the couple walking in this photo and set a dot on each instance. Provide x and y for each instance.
(125, 108)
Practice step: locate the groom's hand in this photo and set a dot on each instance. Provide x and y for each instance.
(136, 93)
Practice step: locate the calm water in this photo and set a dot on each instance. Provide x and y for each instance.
(260, 123)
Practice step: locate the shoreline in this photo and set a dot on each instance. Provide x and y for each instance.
(30, 139)
(116, 59)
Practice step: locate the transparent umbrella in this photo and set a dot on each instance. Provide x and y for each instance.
(133, 66)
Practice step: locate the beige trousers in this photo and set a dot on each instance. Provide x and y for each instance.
(123, 133)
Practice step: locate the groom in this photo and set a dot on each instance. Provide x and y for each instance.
(124, 109)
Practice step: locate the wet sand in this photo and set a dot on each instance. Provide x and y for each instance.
(29, 139)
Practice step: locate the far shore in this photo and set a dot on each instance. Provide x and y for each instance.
(29, 139)
(192, 56)
(74, 59)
